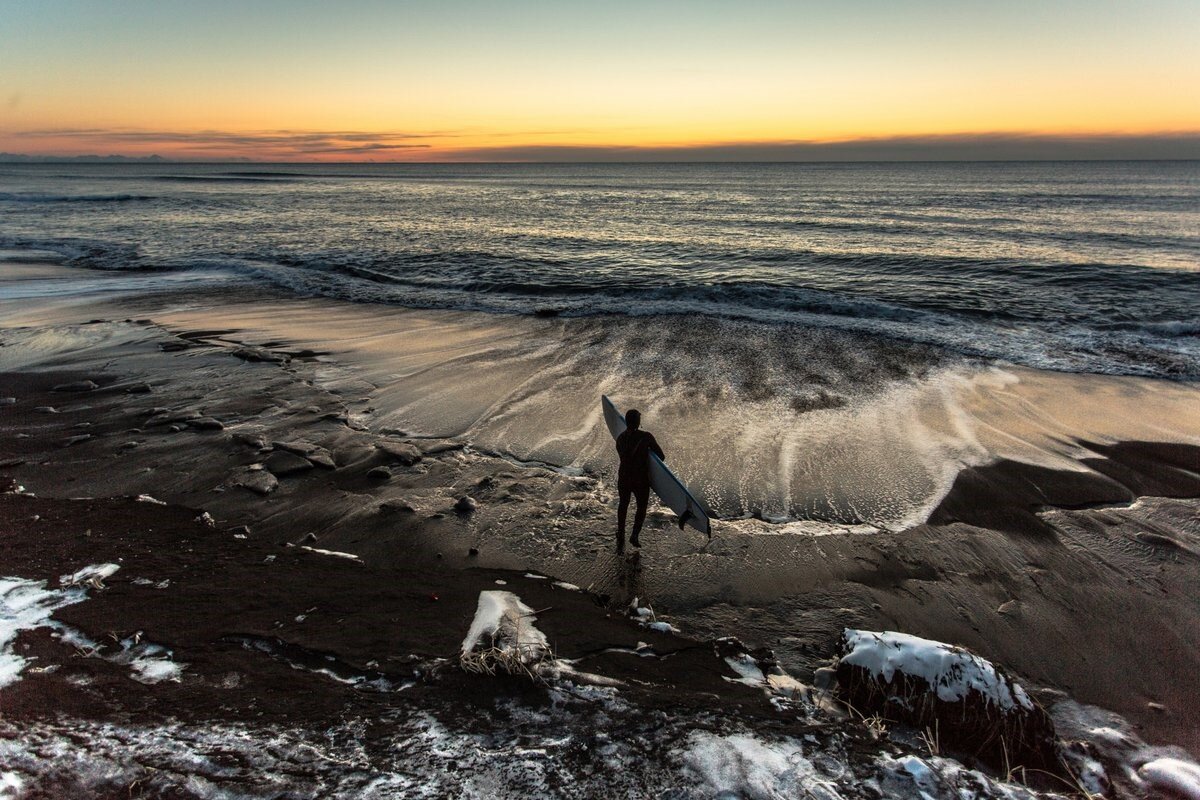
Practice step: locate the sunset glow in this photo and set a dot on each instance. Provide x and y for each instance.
(527, 80)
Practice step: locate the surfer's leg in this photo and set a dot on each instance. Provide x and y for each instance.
(623, 493)
(642, 494)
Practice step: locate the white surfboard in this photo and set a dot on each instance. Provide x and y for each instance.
(664, 483)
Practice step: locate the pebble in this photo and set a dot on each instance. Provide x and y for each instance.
(83, 437)
(379, 474)
(206, 424)
(394, 506)
(138, 388)
(465, 505)
(46, 410)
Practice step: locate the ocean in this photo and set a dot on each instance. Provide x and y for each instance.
(1075, 267)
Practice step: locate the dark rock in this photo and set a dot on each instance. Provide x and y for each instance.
(434, 448)
(465, 505)
(250, 439)
(169, 417)
(395, 507)
(76, 386)
(283, 463)
(259, 481)
(206, 424)
(379, 474)
(260, 354)
(139, 388)
(1011, 731)
(127, 445)
(403, 452)
(474, 551)
(83, 437)
(314, 453)
(174, 346)
(308, 538)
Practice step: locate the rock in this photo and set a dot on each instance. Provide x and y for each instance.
(1153, 706)
(283, 463)
(11, 462)
(323, 459)
(166, 417)
(474, 551)
(174, 346)
(76, 386)
(259, 481)
(313, 452)
(46, 410)
(1008, 608)
(241, 530)
(403, 452)
(434, 448)
(176, 428)
(83, 437)
(395, 507)
(379, 474)
(138, 388)
(206, 424)
(7, 401)
(465, 505)
(250, 439)
(308, 538)
(974, 705)
(127, 445)
(260, 354)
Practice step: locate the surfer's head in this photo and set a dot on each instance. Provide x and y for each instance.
(633, 418)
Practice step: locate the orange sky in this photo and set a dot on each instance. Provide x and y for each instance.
(447, 81)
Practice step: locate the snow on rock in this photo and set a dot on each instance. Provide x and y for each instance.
(1173, 774)
(972, 703)
(503, 635)
(950, 671)
(334, 553)
(92, 576)
(742, 765)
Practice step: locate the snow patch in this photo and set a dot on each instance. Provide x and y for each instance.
(1173, 774)
(741, 765)
(334, 553)
(93, 576)
(503, 630)
(951, 671)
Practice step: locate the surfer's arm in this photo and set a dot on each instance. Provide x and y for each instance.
(654, 446)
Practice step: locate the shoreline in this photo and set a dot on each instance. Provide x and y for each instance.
(1098, 586)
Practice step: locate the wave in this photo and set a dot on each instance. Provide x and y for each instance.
(35, 197)
(226, 178)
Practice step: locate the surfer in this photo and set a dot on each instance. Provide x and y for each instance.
(634, 447)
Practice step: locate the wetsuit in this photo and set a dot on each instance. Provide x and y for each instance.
(633, 478)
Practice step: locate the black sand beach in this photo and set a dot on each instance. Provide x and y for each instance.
(313, 569)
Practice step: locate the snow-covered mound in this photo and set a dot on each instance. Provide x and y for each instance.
(967, 702)
(503, 636)
(951, 672)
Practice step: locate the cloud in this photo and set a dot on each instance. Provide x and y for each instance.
(449, 145)
(952, 147)
(259, 144)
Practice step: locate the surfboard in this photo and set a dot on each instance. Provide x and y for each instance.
(664, 482)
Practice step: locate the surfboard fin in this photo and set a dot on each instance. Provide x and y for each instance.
(684, 517)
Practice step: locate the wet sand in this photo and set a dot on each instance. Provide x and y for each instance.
(1075, 569)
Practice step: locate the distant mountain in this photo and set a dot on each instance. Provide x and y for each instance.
(22, 158)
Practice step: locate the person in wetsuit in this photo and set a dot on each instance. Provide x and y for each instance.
(634, 447)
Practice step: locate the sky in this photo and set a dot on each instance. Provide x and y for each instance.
(361, 80)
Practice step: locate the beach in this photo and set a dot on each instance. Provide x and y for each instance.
(280, 480)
